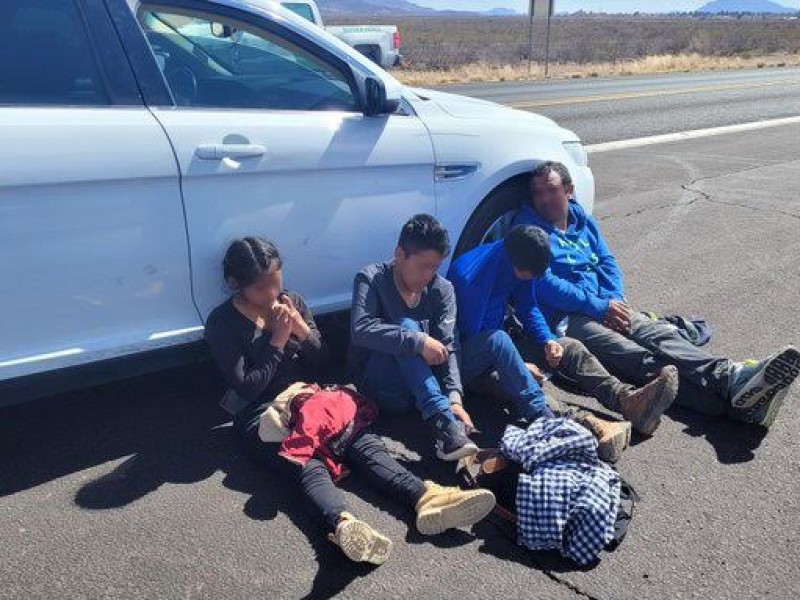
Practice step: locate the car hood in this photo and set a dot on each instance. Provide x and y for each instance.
(464, 107)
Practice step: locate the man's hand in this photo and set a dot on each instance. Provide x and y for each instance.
(553, 352)
(618, 316)
(463, 416)
(434, 352)
(300, 328)
(535, 372)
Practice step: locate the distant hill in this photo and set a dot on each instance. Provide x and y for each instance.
(373, 7)
(501, 12)
(398, 7)
(745, 6)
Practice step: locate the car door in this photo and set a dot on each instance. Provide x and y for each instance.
(93, 242)
(271, 141)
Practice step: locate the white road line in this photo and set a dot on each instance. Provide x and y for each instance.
(689, 135)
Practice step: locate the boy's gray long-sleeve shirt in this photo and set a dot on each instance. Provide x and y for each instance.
(378, 308)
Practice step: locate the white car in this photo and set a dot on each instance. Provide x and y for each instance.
(134, 154)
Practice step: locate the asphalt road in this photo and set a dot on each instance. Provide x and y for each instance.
(136, 489)
(610, 109)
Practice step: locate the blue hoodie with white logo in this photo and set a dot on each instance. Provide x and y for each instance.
(584, 275)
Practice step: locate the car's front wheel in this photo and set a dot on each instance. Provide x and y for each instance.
(492, 220)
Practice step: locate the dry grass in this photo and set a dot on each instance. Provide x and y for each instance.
(462, 49)
(667, 63)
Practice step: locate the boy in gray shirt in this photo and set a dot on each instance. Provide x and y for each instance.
(403, 336)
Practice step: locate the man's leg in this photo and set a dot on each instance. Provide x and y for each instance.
(620, 355)
(494, 350)
(643, 407)
(325, 501)
(580, 366)
(706, 371)
(634, 362)
(357, 539)
(751, 391)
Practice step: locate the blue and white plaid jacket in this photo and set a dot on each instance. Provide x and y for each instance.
(567, 499)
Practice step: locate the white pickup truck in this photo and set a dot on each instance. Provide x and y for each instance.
(379, 43)
(133, 154)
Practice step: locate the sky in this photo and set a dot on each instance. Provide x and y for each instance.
(573, 5)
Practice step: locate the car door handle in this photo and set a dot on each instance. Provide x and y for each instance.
(220, 151)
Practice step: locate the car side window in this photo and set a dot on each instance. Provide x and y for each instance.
(48, 58)
(217, 64)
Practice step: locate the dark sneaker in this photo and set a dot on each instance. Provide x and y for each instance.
(452, 442)
(644, 407)
(758, 389)
(751, 379)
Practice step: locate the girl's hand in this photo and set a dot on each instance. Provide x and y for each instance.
(281, 325)
(300, 328)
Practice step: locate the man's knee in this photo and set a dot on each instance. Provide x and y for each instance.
(640, 320)
(573, 347)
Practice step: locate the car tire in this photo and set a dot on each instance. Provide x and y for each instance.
(492, 219)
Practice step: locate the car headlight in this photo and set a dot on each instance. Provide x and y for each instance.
(577, 153)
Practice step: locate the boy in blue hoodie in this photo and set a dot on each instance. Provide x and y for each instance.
(493, 276)
(583, 295)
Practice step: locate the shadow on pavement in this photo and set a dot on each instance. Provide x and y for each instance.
(160, 423)
(167, 428)
(734, 442)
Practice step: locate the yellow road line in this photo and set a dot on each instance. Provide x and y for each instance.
(653, 93)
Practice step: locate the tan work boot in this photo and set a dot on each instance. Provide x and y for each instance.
(612, 436)
(360, 542)
(644, 407)
(442, 508)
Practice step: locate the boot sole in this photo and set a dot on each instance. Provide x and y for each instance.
(774, 407)
(618, 444)
(475, 506)
(361, 543)
(777, 375)
(466, 450)
(665, 393)
(781, 377)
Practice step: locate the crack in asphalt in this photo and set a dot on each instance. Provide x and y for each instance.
(646, 209)
(705, 196)
(570, 586)
(700, 195)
